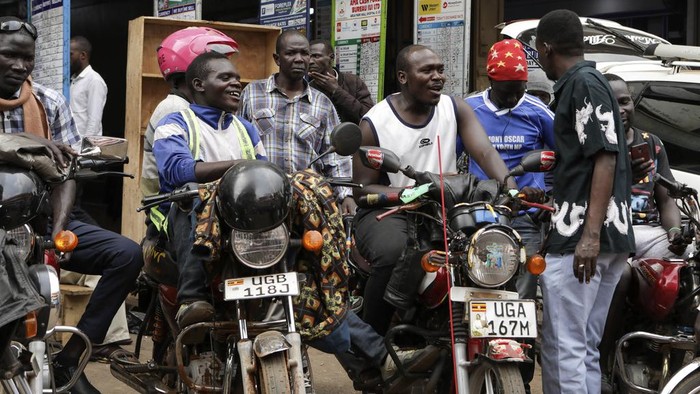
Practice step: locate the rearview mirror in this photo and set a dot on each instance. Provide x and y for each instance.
(379, 158)
(535, 161)
(104, 148)
(346, 138)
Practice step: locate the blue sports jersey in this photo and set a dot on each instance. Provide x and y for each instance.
(514, 132)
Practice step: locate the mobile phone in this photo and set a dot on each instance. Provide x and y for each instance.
(640, 151)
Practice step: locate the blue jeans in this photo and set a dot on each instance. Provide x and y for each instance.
(192, 281)
(366, 348)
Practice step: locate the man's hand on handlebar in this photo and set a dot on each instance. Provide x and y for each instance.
(676, 244)
(348, 206)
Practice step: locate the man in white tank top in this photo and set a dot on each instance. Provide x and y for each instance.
(409, 123)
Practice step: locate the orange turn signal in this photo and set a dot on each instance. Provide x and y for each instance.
(536, 264)
(432, 261)
(312, 241)
(65, 241)
(31, 326)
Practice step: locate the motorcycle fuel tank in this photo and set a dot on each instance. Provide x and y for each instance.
(659, 282)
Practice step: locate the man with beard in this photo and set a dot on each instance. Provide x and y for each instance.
(347, 91)
(215, 85)
(88, 91)
(409, 123)
(295, 120)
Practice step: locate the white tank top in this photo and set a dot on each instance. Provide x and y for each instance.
(417, 145)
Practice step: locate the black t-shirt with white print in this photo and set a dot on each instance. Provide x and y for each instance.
(644, 209)
(587, 120)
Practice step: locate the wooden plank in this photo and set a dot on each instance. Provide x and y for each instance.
(132, 223)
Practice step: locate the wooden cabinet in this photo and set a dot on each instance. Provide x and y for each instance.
(145, 88)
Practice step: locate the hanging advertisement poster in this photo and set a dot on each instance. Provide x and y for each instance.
(359, 33)
(285, 14)
(52, 21)
(178, 9)
(443, 25)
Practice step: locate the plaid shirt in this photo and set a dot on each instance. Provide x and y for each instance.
(294, 131)
(58, 113)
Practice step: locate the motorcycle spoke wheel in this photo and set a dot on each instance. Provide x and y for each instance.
(689, 385)
(493, 378)
(274, 374)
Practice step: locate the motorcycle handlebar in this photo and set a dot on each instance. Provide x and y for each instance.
(174, 196)
(675, 188)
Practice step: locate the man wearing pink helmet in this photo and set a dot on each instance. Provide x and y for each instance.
(175, 54)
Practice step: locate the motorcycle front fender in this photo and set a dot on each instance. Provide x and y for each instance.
(270, 342)
(678, 377)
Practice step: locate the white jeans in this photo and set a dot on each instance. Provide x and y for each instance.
(574, 319)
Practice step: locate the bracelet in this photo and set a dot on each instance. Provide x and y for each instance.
(674, 229)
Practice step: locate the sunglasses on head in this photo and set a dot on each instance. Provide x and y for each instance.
(12, 26)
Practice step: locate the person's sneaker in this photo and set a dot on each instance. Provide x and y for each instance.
(194, 312)
(62, 374)
(413, 360)
(356, 304)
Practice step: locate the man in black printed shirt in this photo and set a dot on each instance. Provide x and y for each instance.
(591, 235)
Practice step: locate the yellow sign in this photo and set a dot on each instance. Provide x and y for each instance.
(429, 7)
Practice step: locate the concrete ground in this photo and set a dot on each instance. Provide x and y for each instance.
(329, 377)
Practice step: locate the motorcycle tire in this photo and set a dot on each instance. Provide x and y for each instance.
(274, 375)
(490, 377)
(689, 385)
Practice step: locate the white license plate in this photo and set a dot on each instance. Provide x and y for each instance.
(274, 285)
(502, 319)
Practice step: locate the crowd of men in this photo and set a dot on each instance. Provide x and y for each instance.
(287, 119)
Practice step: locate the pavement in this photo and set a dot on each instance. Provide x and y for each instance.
(329, 376)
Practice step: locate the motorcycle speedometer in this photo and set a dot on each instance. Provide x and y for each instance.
(260, 250)
(494, 255)
(21, 241)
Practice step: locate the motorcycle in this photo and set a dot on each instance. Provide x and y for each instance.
(463, 304)
(658, 352)
(253, 344)
(30, 268)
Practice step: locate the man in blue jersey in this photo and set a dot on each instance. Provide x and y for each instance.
(516, 123)
(223, 139)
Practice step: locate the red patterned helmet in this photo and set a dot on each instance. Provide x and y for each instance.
(177, 50)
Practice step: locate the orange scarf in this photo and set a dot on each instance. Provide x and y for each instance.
(35, 120)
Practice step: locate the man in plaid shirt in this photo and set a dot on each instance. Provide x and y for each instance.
(295, 120)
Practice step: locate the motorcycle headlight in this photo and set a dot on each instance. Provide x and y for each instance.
(494, 256)
(260, 250)
(21, 241)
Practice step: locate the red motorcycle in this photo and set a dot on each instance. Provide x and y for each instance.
(463, 306)
(658, 352)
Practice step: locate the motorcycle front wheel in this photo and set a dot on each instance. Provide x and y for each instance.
(689, 385)
(274, 375)
(491, 377)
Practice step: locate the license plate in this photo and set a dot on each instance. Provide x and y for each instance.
(502, 319)
(274, 285)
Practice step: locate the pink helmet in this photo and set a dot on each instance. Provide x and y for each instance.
(177, 50)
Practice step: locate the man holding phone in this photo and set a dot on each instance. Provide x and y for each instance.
(655, 216)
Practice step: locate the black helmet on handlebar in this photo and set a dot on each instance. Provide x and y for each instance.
(254, 195)
(21, 195)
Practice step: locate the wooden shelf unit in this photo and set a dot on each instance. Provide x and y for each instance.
(145, 88)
